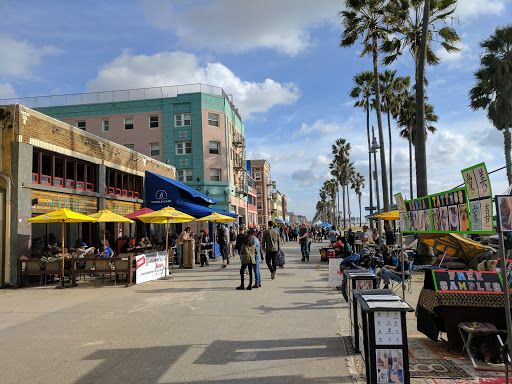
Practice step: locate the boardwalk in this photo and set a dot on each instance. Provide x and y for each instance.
(192, 328)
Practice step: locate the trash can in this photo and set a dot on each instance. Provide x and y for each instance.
(188, 253)
(360, 279)
(323, 254)
(383, 335)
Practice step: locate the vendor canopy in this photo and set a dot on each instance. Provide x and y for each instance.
(454, 245)
(162, 191)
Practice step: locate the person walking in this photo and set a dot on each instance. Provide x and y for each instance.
(256, 265)
(223, 241)
(304, 242)
(184, 236)
(232, 241)
(271, 247)
(249, 252)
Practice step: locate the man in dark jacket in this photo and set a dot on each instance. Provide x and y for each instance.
(240, 239)
(271, 246)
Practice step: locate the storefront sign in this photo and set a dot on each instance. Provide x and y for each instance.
(44, 202)
(122, 207)
(467, 281)
(150, 266)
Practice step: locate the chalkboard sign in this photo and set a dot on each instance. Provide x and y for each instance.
(467, 282)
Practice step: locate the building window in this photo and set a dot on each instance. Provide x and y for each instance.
(259, 206)
(250, 200)
(257, 176)
(154, 149)
(213, 119)
(260, 220)
(258, 189)
(184, 175)
(214, 147)
(181, 119)
(182, 134)
(130, 146)
(184, 162)
(123, 184)
(183, 147)
(153, 122)
(128, 123)
(81, 125)
(59, 171)
(214, 174)
(105, 125)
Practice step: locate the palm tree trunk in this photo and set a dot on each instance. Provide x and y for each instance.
(359, 198)
(410, 167)
(344, 210)
(338, 206)
(506, 134)
(420, 147)
(369, 157)
(383, 171)
(348, 203)
(390, 161)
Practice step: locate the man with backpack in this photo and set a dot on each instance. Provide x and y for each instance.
(232, 241)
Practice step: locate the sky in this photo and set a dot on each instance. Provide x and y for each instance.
(281, 62)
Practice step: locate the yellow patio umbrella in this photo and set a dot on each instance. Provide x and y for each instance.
(454, 245)
(63, 215)
(106, 216)
(391, 215)
(165, 216)
(217, 218)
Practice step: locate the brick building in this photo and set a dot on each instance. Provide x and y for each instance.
(260, 172)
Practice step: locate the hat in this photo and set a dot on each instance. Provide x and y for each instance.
(83, 245)
(371, 242)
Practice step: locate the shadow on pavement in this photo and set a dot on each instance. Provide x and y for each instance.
(320, 304)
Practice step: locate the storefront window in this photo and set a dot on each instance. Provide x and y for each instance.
(123, 184)
(58, 176)
(70, 174)
(80, 176)
(46, 169)
(35, 167)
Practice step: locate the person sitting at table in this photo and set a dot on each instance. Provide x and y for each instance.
(147, 242)
(141, 243)
(390, 272)
(106, 252)
(84, 251)
(342, 248)
(128, 246)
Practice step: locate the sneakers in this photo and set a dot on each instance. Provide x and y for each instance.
(273, 275)
(259, 285)
(255, 286)
(307, 259)
(303, 260)
(223, 266)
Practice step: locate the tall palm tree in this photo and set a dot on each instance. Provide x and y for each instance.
(350, 173)
(340, 150)
(370, 21)
(417, 26)
(493, 88)
(407, 121)
(393, 91)
(357, 184)
(364, 91)
(331, 186)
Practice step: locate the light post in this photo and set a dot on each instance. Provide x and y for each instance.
(373, 149)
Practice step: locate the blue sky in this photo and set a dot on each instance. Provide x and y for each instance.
(281, 61)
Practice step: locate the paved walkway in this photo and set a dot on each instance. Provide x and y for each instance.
(192, 328)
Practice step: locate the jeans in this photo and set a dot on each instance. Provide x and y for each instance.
(271, 260)
(256, 267)
(388, 275)
(242, 269)
(180, 254)
(304, 248)
(224, 251)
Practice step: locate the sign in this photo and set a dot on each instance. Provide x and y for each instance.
(44, 202)
(504, 213)
(122, 208)
(390, 366)
(150, 266)
(479, 192)
(370, 208)
(467, 281)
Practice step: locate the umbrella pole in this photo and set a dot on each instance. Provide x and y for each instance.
(62, 253)
(506, 293)
(167, 247)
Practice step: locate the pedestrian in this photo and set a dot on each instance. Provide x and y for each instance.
(304, 242)
(351, 238)
(271, 247)
(203, 242)
(184, 235)
(223, 241)
(248, 254)
(367, 236)
(232, 241)
(256, 265)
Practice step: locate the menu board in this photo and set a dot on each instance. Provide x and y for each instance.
(467, 281)
(388, 328)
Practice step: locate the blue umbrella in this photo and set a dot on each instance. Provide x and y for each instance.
(325, 225)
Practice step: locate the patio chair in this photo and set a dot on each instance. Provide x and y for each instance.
(120, 265)
(33, 269)
(407, 281)
(102, 266)
(468, 330)
(52, 268)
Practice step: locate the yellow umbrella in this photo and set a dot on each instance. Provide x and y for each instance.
(392, 215)
(63, 215)
(454, 245)
(106, 216)
(217, 218)
(165, 216)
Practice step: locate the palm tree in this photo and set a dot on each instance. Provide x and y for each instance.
(364, 91)
(493, 89)
(407, 121)
(350, 172)
(370, 20)
(393, 91)
(417, 34)
(340, 150)
(331, 188)
(357, 184)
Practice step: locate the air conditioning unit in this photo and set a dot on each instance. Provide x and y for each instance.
(183, 162)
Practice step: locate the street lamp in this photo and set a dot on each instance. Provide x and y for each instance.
(373, 149)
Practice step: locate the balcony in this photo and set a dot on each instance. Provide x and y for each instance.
(238, 140)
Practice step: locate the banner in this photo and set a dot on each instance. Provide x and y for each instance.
(479, 192)
(150, 266)
(467, 281)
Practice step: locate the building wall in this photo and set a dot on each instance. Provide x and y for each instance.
(265, 197)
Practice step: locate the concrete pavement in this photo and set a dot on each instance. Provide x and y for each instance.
(193, 328)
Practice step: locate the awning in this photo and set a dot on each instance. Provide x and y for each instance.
(162, 191)
(199, 211)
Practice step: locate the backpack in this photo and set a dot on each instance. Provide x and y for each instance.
(232, 236)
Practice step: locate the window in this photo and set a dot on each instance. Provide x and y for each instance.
(183, 162)
(153, 121)
(257, 176)
(213, 119)
(128, 123)
(182, 134)
(183, 147)
(214, 147)
(130, 146)
(154, 149)
(181, 119)
(214, 174)
(105, 125)
(259, 205)
(81, 125)
(258, 189)
(260, 220)
(184, 175)
(123, 184)
(250, 200)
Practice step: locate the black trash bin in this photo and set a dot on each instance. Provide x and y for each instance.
(360, 279)
(383, 329)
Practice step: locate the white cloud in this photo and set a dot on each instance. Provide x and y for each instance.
(177, 68)
(321, 161)
(458, 59)
(473, 8)
(17, 58)
(318, 127)
(239, 26)
(6, 91)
